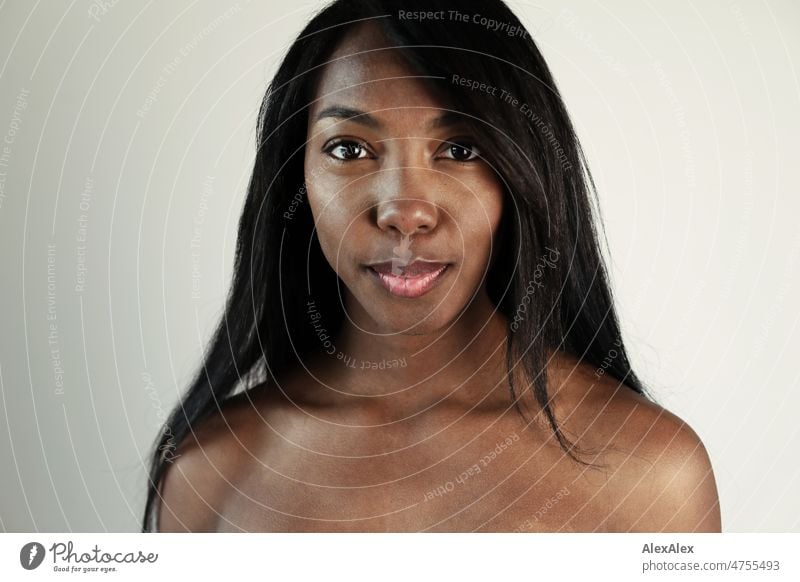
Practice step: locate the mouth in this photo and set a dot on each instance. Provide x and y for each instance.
(410, 281)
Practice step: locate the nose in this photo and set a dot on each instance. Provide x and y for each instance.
(405, 205)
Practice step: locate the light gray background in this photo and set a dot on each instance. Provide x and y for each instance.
(689, 112)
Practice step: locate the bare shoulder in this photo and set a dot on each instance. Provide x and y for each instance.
(658, 475)
(204, 465)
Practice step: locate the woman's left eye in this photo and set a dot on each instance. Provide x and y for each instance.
(461, 150)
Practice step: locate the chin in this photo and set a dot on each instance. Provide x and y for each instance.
(410, 319)
(385, 314)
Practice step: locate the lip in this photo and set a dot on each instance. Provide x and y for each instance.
(415, 280)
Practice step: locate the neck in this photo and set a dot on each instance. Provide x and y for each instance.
(464, 363)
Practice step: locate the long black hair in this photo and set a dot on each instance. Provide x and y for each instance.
(549, 279)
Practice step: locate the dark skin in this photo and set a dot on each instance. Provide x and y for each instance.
(341, 448)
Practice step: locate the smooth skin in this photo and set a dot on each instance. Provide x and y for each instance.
(341, 447)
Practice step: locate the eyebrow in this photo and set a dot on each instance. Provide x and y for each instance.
(447, 119)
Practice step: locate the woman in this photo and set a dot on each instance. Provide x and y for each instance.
(420, 334)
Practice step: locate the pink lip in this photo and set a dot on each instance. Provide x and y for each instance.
(414, 281)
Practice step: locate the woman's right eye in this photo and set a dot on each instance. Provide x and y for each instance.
(346, 149)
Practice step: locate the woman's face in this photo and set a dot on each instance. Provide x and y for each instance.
(405, 209)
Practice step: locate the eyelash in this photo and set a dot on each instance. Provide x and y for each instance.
(464, 143)
(328, 149)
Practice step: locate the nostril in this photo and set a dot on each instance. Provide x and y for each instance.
(407, 216)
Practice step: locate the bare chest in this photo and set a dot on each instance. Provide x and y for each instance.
(488, 477)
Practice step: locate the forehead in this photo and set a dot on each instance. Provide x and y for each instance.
(366, 70)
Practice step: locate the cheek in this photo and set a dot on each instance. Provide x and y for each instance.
(494, 211)
(480, 224)
(335, 220)
(329, 193)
